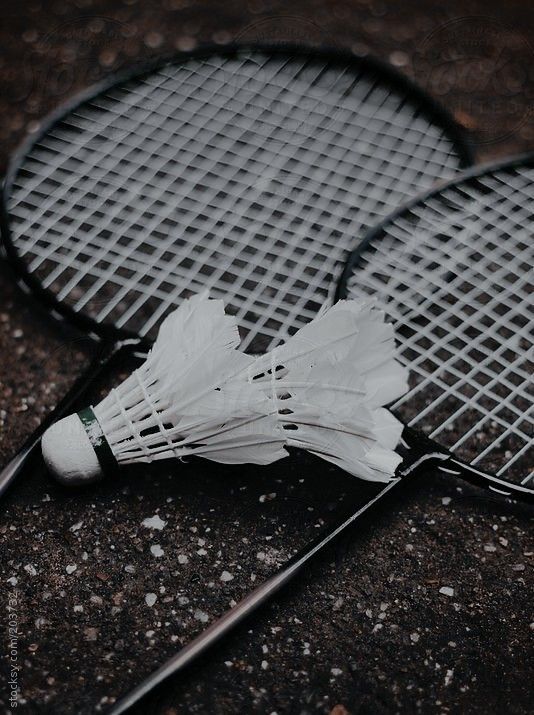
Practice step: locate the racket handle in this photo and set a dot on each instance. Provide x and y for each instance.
(232, 618)
(107, 355)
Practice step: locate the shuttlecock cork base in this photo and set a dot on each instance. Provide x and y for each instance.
(76, 451)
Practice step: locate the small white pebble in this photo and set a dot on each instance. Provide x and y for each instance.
(30, 568)
(75, 527)
(154, 522)
(518, 567)
(264, 665)
(337, 604)
(156, 550)
(226, 576)
(447, 591)
(71, 568)
(150, 599)
(446, 501)
(414, 637)
(201, 616)
(182, 559)
(336, 671)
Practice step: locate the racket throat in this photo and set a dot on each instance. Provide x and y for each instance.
(417, 450)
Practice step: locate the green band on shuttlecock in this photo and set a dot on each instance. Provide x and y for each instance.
(98, 440)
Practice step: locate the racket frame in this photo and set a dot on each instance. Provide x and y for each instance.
(109, 339)
(363, 63)
(413, 453)
(422, 451)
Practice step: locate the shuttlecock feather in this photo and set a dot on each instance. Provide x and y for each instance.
(192, 396)
(330, 382)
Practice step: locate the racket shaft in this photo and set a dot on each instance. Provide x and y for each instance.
(239, 613)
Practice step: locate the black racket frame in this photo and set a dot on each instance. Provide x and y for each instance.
(416, 448)
(365, 63)
(117, 343)
(419, 450)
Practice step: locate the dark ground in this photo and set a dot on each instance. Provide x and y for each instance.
(367, 630)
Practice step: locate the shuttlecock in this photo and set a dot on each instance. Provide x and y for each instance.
(324, 391)
(194, 395)
(330, 383)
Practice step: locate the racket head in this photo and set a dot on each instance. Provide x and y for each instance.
(453, 271)
(275, 269)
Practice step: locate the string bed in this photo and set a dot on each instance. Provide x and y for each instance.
(455, 274)
(250, 174)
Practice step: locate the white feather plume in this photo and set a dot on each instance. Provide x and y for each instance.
(330, 383)
(192, 396)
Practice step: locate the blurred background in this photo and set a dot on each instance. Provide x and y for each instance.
(366, 632)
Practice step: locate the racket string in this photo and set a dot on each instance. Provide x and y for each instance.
(453, 273)
(249, 174)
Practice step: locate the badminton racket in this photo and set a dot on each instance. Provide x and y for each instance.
(453, 270)
(245, 171)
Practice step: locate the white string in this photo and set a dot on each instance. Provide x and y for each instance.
(251, 176)
(455, 275)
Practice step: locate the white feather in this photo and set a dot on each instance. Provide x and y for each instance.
(330, 382)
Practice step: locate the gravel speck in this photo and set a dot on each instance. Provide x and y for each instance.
(226, 576)
(154, 522)
(150, 599)
(90, 634)
(447, 591)
(156, 550)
